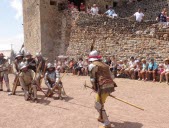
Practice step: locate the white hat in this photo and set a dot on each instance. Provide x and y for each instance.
(49, 65)
(94, 55)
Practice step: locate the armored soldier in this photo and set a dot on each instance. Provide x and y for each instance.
(4, 68)
(26, 79)
(52, 80)
(30, 61)
(40, 68)
(16, 70)
(103, 85)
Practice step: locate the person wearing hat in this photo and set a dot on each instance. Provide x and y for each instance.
(152, 70)
(102, 84)
(30, 61)
(110, 13)
(94, 10)
(165, 71)
(16, 70)
(26, 79)
(40, 68)
(52, 80)
(4, 68)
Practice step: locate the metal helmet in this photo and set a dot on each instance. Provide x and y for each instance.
(18, 55)
(49, 65)
(22, 65)
(28, 54)
(94, 55)
(38, 54)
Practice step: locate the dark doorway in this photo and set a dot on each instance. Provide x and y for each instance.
(77, 2)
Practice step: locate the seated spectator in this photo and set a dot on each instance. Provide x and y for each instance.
(108, 61)
(80, 67)
(85, 67)
(130, 70)
(113, 66)
(162, 17)
(94, 10)
(82, 7)
(137, 70)
(165, 70)
(120, 68)
(152, 70)
(75, 67)
(139, 15)
(143, 70)
(88, 8)
(111, 13)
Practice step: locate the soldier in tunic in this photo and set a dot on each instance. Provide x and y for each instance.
(26, 79)
(52, 80)
(16, 70)
(40, 68)
(4, 69)
(30, 61)
(102, 84)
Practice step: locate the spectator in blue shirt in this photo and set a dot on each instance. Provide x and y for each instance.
(152, 70)
(111, 13)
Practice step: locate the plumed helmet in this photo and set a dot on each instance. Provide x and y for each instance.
(28, 54)
(94, 55)
(18, 55)
(49, 65)
(22, 65)
(38, 54)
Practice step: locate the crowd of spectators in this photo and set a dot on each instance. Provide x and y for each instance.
(140, 69)
(132, 68)
(94, 10)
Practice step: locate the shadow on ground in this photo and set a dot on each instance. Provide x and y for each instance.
(127, 125)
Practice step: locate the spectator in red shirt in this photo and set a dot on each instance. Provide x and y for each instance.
(82, 7)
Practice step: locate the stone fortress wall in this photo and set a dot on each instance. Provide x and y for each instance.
(52, 31)
(120, 37)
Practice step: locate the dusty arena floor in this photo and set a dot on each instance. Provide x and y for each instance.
(77, 111)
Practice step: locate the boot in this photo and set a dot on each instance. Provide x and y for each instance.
(1, 89)
(100, 120)
(107, 126)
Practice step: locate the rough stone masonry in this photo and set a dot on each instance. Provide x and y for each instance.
(52, 31)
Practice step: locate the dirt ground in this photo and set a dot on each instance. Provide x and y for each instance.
(77, 110)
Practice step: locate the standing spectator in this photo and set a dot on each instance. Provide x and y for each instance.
(152, 70)
(94, 10)
(88, 9)
(139, 15)
(143, 70)
(162, 17)
(165, 70)
(82, 7)
(111, 13)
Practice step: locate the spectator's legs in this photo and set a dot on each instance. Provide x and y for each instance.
(161, 76)
(154, 76)
(143, 75)
(166, 76)
(147, 75)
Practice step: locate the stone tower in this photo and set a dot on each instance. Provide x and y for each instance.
(45, 27)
